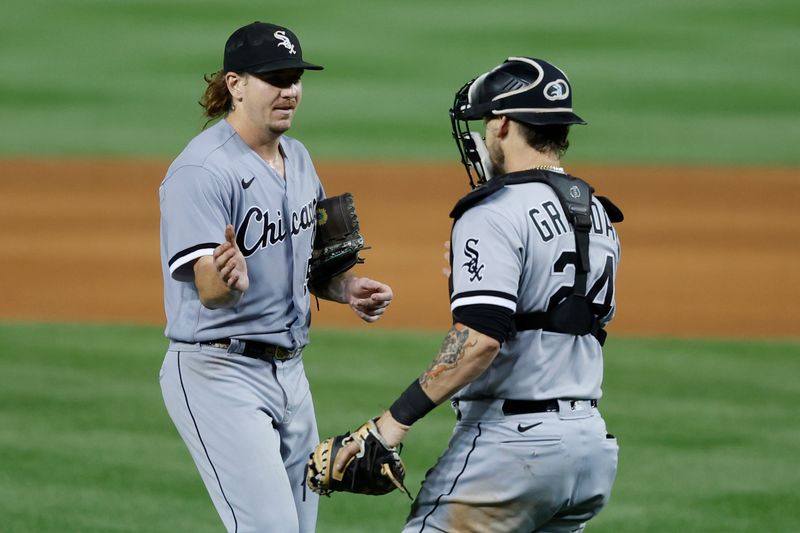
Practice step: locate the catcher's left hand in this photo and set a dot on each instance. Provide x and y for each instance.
(376, 469)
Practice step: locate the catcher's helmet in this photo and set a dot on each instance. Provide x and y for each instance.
(528, 90)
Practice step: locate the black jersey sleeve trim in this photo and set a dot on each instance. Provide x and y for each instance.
(469, 294)
(191, 250)
(491, 320)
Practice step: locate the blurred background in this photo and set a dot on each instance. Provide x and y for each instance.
(693, 127)
(679, 82)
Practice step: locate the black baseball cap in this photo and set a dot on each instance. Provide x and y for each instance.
(264, 47)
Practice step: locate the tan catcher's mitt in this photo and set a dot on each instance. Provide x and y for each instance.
(376, 469)
(337, 241)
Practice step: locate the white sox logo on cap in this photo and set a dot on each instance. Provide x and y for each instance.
(284, 41)
(556, 90)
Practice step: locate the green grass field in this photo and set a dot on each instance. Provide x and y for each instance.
(708, 431)
(686, 81)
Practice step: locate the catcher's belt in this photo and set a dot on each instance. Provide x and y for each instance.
(483, 409)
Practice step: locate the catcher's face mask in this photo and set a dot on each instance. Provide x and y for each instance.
(471, 146)
(528, 90)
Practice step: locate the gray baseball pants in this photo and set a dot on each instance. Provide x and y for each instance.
(539, 472)
(249, 425)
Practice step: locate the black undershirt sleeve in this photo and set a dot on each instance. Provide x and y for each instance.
(491, 320)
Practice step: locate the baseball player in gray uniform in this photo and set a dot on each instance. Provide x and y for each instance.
(533, 261)
(237, 229)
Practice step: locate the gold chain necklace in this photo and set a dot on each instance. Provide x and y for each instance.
(548, 167)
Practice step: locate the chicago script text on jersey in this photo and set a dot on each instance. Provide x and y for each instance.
(259, 230)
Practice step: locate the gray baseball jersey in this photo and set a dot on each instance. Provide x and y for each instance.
(513, 250)
(544, 468)
(219, 180)
(249, 423)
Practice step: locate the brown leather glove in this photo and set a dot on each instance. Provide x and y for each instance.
(337, 241)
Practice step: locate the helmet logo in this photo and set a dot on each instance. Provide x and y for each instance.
(284, 41)
(574, 191)
(556, 90)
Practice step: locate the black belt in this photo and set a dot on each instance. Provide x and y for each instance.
(258, 350)
(521, 407)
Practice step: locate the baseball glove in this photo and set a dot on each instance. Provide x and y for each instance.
(376, 469)
(337, 241)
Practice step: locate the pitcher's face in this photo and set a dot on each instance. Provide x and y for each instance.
(270, 100)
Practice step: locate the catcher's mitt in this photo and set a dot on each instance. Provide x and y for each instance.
(337, 241)
(376, 469)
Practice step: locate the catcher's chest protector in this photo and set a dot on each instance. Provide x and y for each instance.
(574, 314)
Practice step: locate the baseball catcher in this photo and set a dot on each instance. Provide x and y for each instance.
(533, 262)
(337, 241)
(376, 469)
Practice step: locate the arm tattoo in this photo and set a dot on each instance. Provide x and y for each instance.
(452, 351)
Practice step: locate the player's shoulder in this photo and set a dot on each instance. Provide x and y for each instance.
(501, 209)
(209, 144)
(205, 152)
(503, 192)
(510, 199)
(524, 193)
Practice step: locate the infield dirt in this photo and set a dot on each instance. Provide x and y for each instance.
(705, 251)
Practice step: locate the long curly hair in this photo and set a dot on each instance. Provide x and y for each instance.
(216, 100)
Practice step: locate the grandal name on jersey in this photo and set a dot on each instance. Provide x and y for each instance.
(549, 222)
